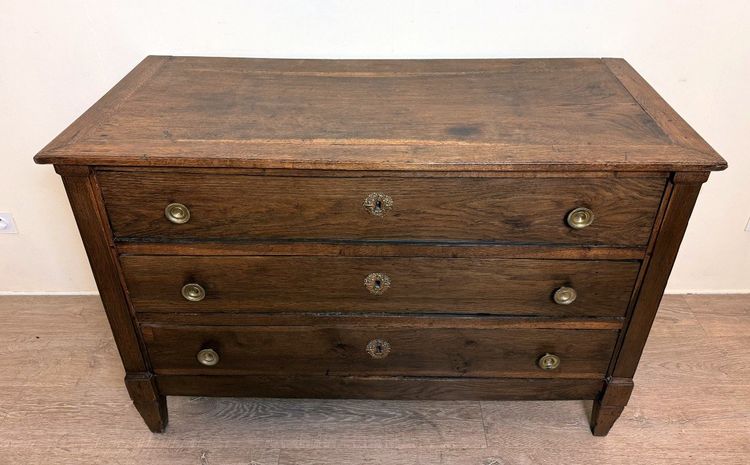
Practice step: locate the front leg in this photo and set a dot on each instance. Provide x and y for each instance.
(610, 404)
(147, 400)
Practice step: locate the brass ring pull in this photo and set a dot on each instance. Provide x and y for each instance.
(193, 292)
(378, 348)
(378, 203)
(565, 295)
(208, 357)
(377, 283)
(580, 218)
(548, 362)
(177, 213)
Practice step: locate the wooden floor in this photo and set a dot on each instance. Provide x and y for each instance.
(63, 401)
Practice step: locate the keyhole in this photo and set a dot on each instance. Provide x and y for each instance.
(378, 205)
(377, 284)
(378, 348)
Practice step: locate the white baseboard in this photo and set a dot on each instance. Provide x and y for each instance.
(61, 293)
(707, 291)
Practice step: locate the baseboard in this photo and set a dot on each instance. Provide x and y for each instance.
(50, 293)
(707, 291)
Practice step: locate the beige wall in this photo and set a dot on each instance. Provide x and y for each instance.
(58, 57)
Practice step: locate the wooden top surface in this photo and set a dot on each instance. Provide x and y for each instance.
(477, 115)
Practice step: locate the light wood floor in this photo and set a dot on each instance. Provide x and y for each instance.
(63, 401)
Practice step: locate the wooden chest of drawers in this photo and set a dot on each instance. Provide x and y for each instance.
(440, 229)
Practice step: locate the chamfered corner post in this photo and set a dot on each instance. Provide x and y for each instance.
(88, 210)
(683, 192)
(147, 400)
(609, 405)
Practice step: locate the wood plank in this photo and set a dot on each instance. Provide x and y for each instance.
(678, 130)
(381, 319)
(343, 350)
(380, 173)
(63, 455)
(241, 208)
(386, 388)
(339, 249)
(398, 114)
(422, 158)
(85, 202)
(613, 453)
(690, 405)
(337, 284)
(108, 104)
(667, 244)
(721, 315)
(661, 422)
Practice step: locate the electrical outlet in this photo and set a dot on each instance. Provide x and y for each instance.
(7, 225)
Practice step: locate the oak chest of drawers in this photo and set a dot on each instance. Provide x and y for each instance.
(439, 229)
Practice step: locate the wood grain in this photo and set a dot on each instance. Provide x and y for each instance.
(398, 114)
(728, 313)
(678, 130)
(382, 388)
(670, 421)
(428, 209)
(477, 155)
(339, 249)
(666, 245)
(415, 350)
(381, 319)
(336, 284)
(83, 196)
(679, 412)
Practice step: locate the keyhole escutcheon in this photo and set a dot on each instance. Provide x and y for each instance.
(378, 348)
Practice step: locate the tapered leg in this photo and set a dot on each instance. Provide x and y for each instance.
(88, 208)
(610, 404)
(150, 404)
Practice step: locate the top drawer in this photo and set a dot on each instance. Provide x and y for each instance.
(506, 209)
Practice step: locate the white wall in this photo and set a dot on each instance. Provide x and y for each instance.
(57, 58)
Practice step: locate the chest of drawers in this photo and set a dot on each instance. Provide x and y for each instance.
(438, 229)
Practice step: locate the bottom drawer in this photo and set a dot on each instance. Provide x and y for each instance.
(436, 347)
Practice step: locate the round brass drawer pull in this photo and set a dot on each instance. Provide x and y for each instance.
(548, 362)
(208, 357)
(378, 203)
(580, 218)
(177, 213)
(565, 295)
(193, 292)
(377, 283)
(378, 348)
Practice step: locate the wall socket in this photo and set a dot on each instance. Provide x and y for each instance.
(7, 225)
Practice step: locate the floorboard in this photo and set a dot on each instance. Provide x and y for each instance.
(63, 401)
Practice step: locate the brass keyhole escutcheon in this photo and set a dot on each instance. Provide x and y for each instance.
(378, 348)
(378, 204)
(377, 283)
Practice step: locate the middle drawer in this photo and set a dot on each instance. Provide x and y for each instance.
(379, 284)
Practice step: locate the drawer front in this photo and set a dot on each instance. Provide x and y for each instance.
(409, 350)
(378, 284)
(516, 210)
